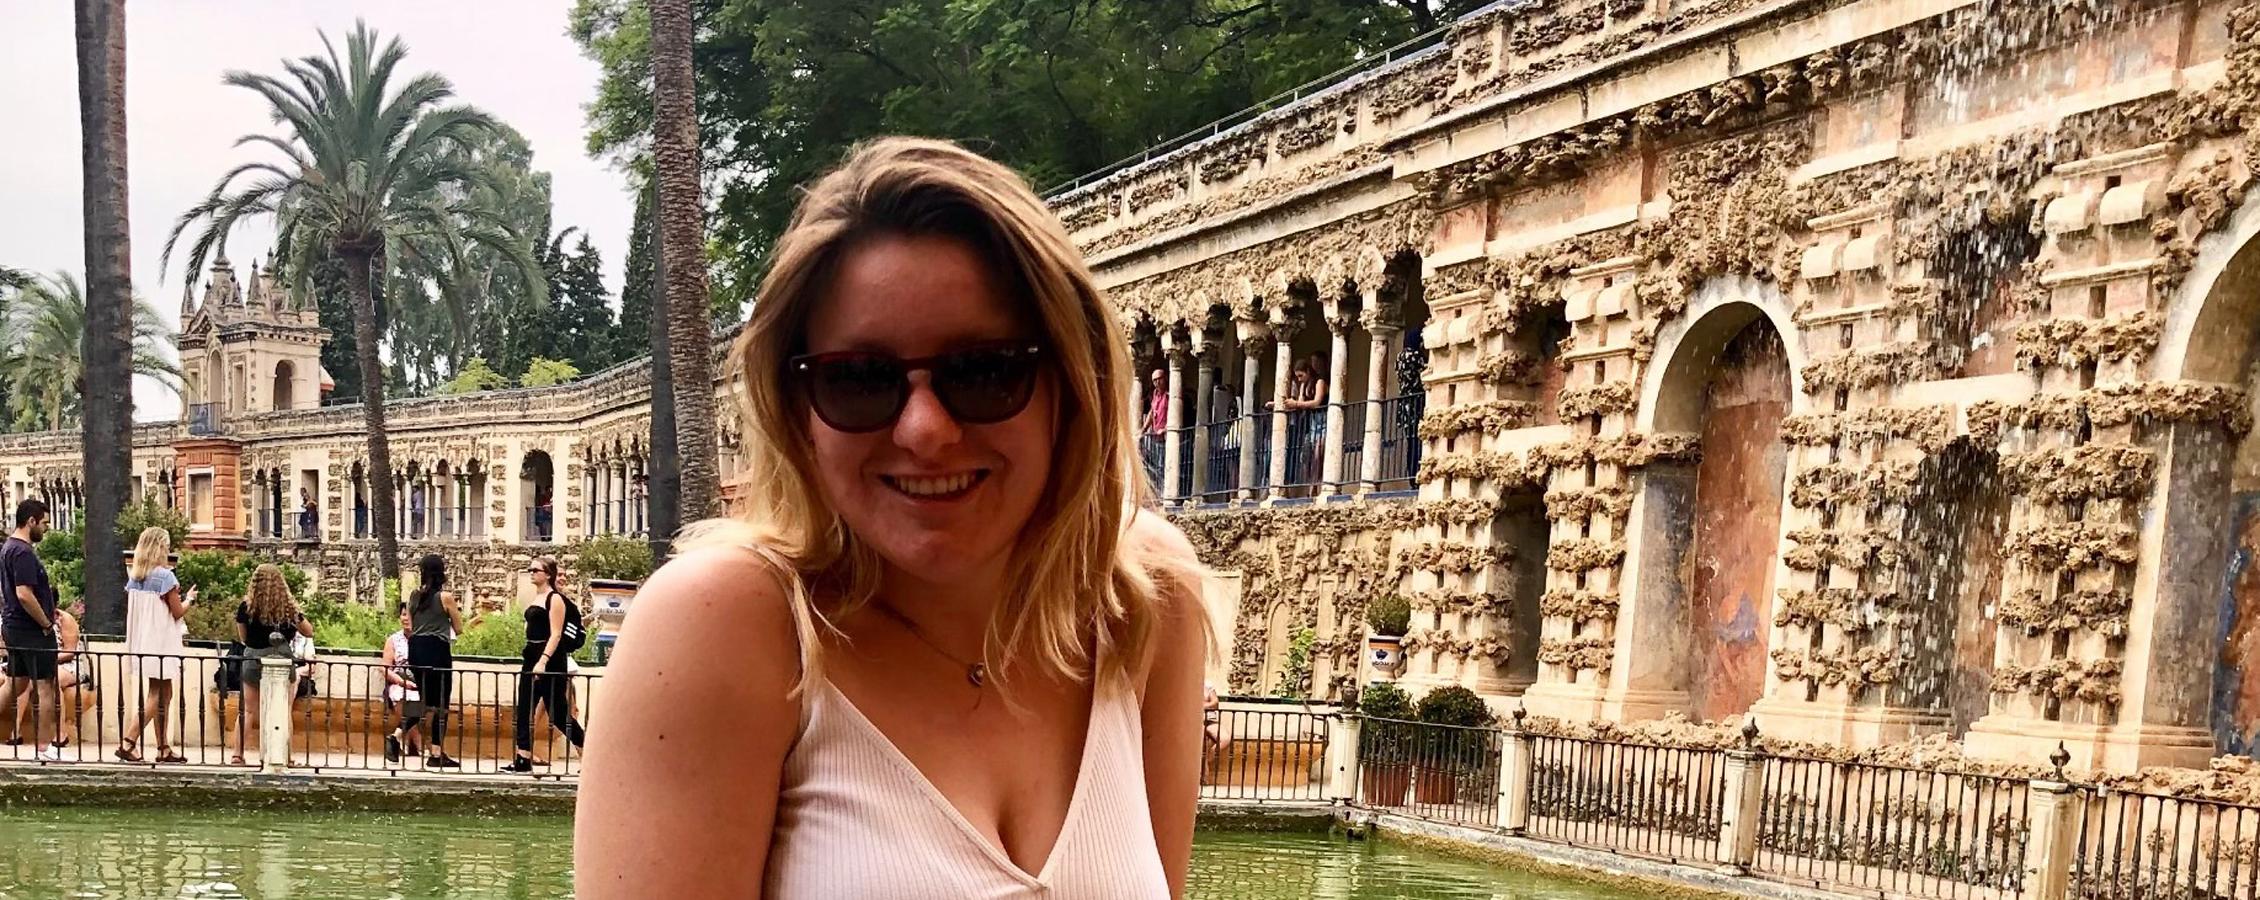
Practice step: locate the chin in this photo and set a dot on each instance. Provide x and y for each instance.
(941, 557)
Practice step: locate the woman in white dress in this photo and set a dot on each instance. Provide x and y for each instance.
(156, 621)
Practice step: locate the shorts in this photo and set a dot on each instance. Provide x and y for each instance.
(32, 655)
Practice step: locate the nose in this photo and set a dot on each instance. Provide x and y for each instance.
(925, 426)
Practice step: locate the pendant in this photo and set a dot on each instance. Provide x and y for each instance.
(977, 673)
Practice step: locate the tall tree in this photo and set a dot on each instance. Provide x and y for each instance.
(632, 337)
(583, 310)
(682, 247)
(107, 345)
(365, 169)
(663, 480)
(44, 360)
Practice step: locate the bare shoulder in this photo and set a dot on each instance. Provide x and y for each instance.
(730, 600)
(1156, 536)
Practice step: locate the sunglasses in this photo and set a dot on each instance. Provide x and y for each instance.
(858, 392)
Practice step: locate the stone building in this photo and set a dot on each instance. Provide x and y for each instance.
(1879, 368)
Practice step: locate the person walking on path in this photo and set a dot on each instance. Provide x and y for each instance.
(156, 623)
(264, 624)
(553, 631)
(434, 622)
(28, 625)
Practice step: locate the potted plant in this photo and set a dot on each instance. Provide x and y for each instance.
(1387, 618)
(1451, 753)
(1385, 744)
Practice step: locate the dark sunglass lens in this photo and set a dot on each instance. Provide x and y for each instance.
(857, 393)
(983, 387)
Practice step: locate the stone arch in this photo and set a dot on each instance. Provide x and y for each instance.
(2207, 553)
(537, 480)
(286, 376)
(1707, 534)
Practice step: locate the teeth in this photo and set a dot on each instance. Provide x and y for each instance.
(928, 487)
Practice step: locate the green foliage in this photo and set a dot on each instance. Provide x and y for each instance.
(63, 552)
(498, 634)
(353, 626)
(1384, 737)
(39, 351)
(146, 513)
(224, 576)
(1294, 675)
(543, 372)
(211, 620)
(1453, 705)
(1054, 88)
(1388, 615)
(631, 336)
(391, 592)
(475, 376)
(614, 557)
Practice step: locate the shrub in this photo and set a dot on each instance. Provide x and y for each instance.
(1388, 615)
(355, 627)
(543, 372)
(1453, 705)
(1385, 738)
(222, 577)
(1294, 676)
(63, 552)
(211, 620)
(475, 376)
(614, 557)
(147, 513)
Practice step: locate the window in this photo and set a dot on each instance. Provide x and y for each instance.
(200, 499)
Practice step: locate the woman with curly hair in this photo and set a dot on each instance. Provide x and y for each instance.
(264, 624)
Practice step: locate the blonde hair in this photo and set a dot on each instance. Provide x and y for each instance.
(1078, 585)
(151, 552)
(269, 598)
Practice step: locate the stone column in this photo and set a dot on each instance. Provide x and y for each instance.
(276, 686)
(1172, 437)
(1342, 758)
(2053, 808)
(1204, 384)
(1253, 336)
(1514, 777)
(1338, 323)
(1376, 389)
(1283, 339)
(1745, 804)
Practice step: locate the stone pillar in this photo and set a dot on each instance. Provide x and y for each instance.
(1283, 335)
(1376, 389)
(1744, 805)
(2054, 813)
(1342, 759)
(276, 684)
(1514, 776)
(1204, 385)
(1172, 437)
(1253, 336)
(1338, 324)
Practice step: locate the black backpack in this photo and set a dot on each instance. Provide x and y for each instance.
(571, 637)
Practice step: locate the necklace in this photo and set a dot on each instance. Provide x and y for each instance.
(976, 673)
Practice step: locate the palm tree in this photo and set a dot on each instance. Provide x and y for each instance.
(682, 230)
(106, 453)
(44, 362)
(365, 170)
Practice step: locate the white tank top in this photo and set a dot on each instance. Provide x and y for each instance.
(856, 819)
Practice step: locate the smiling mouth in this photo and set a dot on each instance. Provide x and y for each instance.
(936, 487)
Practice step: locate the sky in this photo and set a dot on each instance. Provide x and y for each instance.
(509, 57)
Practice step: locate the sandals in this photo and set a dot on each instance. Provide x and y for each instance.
(521, 764)
(126, 752)
(169, 755)
(237, 760)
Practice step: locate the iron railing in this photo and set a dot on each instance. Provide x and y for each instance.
(343, 725)
(1910, 832)
(2139, 845)
(1259, 755)
(1224, 441)
(1306, 446)
(1185, 440)
(1441, 772)
(203, 418)
(1657, 802)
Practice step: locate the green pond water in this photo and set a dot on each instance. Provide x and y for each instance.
(155, 853)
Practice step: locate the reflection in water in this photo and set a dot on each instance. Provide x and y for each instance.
(61, 853)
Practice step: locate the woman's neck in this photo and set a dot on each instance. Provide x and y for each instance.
(957, 612)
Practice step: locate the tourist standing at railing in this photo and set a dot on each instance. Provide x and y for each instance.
(553, 631)
(434, 622)
(403, 703)
(307, 514)
(263, 625)
(28, 623)
(941, 655)
(156, 624)
(1306, 394)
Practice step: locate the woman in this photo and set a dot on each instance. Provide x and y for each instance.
(307, 514)
(433, 625)
(1306, 397)
(984, 667)
(263, 625)
(401, 696)
(543, 678)
(72, 676)
(156, 623)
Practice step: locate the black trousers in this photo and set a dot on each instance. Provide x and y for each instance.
(546, 687)
(431, 659)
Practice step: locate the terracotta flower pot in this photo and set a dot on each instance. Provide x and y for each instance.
(1385, 783)
(1435, 787)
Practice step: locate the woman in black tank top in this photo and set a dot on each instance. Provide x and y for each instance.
(542, 676)
(434, 622)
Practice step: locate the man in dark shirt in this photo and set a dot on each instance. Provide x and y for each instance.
(27, 625)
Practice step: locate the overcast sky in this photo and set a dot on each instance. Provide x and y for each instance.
(510, 57)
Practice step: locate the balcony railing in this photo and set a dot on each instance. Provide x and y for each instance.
(203, 418)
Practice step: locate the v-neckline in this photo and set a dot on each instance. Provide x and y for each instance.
(994, 850)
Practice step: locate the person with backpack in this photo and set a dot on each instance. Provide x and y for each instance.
(553, 633)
